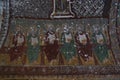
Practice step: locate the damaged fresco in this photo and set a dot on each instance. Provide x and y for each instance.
(59, 36)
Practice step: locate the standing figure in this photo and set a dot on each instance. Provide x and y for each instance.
(68, 47)
(33, 48)
(84, 48)
(18, 45)
(100, 48)
(51, 42)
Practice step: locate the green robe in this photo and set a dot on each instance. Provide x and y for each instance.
(100, 50)
(68, 49)
(32, 51)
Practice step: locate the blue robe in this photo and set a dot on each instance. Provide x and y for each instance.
(68, 49)
(100, 50)
(32, 50)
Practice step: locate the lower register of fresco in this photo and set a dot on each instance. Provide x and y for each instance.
(58, 42)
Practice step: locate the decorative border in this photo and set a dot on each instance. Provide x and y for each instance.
(6, 20)
(59, 70)
(116, 24)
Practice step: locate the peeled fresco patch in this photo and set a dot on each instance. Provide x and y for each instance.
(59, 37)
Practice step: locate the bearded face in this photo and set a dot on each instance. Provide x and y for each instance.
(20, 39)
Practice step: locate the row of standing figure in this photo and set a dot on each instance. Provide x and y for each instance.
(80, 46)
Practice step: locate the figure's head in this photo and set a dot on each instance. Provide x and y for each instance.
(38, 26)
(50, 27)
(19, 33)
(96, 28)
(33, 30)
(18, 28)
(66, 28)
(79, 28)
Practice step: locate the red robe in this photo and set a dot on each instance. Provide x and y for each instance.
(84, 48)
(17, 50)
(52, 47)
